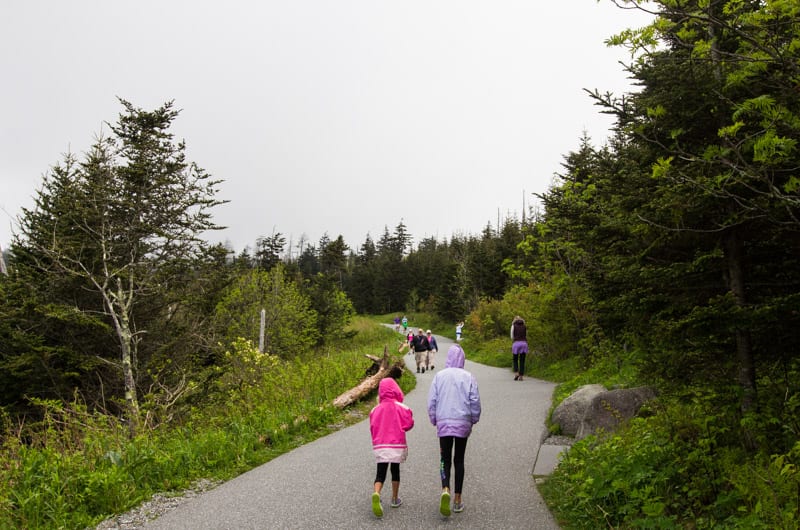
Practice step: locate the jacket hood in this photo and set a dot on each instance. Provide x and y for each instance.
(388, 389)
(455, 357)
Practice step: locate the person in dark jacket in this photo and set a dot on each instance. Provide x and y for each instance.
(421, 346)
(519, 346)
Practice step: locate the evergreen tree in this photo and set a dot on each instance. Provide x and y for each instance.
(361, 286)
(125, 224)
(269, 250)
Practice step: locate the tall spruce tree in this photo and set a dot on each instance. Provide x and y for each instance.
(125, 225)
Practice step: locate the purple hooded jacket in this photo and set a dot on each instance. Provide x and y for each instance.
(454, 404)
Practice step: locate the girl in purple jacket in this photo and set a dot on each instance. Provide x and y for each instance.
(454, 406)
(388, 423)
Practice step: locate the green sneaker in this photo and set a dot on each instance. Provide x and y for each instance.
(444, 504)
(377, 507)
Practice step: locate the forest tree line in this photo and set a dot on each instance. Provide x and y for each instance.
(115, 299)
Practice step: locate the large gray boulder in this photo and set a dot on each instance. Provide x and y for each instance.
(569, 414)
(609, 409)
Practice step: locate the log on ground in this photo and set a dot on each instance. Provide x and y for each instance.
(369, 384)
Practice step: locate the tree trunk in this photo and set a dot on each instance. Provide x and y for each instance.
(118, 306)
(131, 400)
(732, 246)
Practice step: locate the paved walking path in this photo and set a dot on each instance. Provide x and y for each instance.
(328, 482)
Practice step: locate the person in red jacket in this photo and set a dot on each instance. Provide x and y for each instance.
(388, 423)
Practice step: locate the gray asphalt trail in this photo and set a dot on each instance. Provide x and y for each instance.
(327, 483)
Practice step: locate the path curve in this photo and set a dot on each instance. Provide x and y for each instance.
(327, 483)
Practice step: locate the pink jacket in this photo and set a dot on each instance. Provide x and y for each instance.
(388, 423)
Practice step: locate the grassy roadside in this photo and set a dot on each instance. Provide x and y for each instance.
(77, 468)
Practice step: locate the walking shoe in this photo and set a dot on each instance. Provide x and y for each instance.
(444, 504)
(377, 507)
(423, 370)
(417, 369)
(458, 507)
(397, 502)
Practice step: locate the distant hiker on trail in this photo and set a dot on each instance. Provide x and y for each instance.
(433, 349)
(459, 327)
(519, 346)
(397, 323)
(405, 323)
(454, 406)
(388, 423)
(410, 341)
(421, 347)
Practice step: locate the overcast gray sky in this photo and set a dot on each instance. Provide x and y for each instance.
(337, 116)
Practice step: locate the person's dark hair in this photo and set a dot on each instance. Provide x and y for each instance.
(395, 372)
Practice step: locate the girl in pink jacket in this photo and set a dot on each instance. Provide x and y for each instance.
(388, 423)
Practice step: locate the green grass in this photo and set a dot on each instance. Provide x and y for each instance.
(77, 468)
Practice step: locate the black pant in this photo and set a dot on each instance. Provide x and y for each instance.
(519, 362)
(380, 476)
(446, 456)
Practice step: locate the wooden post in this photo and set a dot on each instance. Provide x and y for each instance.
(261, 331)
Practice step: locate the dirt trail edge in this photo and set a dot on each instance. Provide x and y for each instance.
(327, 483)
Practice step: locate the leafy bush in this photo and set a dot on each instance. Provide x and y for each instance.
(677, 468)
(290, 321)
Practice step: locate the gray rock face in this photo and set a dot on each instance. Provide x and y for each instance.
(611, 408)
(569, 413)
(592, 408)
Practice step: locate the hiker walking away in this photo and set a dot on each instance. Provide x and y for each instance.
(397, 324)
(421, 347)
(388, 423)
(454, 406)
(405, 324)
(519, 346)
(459, 327)
(433, 348)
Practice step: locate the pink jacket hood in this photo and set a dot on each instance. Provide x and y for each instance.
(389, 389)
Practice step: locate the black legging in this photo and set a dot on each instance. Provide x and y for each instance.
(446, 454)
(380, 476)
(519, 360)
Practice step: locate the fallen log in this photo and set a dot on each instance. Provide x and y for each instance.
(376, 365)
(370, 383)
